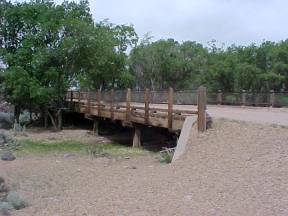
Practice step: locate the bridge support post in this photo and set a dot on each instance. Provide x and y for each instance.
(137, 138)
(201, 101)
(95, 127)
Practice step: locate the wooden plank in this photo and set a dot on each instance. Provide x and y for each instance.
(147, 101)
(201, 100)
(112, 94)
(170, 108)
(128, 104)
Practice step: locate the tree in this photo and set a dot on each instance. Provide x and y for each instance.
(36, 48)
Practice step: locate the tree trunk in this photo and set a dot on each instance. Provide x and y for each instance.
(59, 115)
(45, 115)
(52, 120)
(17, 112)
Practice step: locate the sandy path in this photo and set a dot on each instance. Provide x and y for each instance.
(233, 169)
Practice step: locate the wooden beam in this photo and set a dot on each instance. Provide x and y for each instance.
(201, 100)
(147, 101)
(170, 108)
(112, 95)
(128, 104)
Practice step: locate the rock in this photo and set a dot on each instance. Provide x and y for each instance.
(5, 207)
(8, 156)
(5, 121)
(3, 139)
(209, 121)
(68, 155)
(15, 200)
(3, 187)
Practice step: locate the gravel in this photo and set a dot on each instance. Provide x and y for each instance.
(235, 168)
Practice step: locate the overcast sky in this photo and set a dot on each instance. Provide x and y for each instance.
(228, 21)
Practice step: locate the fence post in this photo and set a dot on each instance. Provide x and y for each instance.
(243, 95)
(99, 101)
(128, 104)
(170, 108)
(147, 101)
(272, 98)
(219, 97)
(112, 103)
(201, 101)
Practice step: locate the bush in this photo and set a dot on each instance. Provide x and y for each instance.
(15, 200)
(166, 155)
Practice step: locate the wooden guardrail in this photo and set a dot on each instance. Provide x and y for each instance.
(162, 115)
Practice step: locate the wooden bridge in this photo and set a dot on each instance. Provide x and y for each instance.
(164, 113)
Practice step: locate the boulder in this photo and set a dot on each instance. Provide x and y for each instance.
(7, 156)
(5, 206)
(5, 121)
(3, 187)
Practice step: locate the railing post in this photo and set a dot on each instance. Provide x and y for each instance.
(128, 104)
(219, 97)
(112, 94)
(71, 96)
(243, 95)
(79, 97)
(201, 101)
(170, 108)
(99, 101)
(147, 101)
(88, 102)
(272, 98)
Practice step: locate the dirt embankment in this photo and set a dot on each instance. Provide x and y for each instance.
(233, 169)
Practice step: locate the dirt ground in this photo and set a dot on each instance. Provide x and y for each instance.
(251, 114)
(236, 168)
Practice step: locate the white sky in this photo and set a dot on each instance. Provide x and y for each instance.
(228, 21)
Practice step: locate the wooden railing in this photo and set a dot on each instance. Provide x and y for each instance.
(164, 114)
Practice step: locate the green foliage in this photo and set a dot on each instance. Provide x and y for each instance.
(54, 147)
(167, 63)
(69, 146)
(48, 48)
(166, 157)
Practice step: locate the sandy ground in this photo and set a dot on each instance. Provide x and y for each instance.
(251, 114)
(233, 169)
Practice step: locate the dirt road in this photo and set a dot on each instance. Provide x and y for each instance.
(235, 168)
